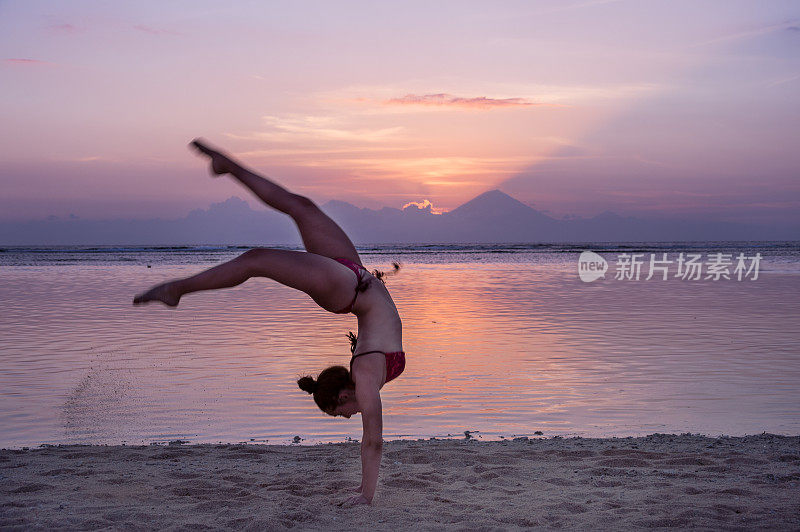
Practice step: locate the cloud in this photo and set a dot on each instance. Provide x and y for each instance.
(330, 128)
(569, 150)
(383, 99)
(782, 81)
(442, 99)
(154, 31)
(66, 28)
(745, 34)
(566, 7)
(424, 205)
(29, 62)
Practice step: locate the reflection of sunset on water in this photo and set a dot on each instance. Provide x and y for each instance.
(500, 347)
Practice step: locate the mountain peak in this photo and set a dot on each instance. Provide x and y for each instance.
(338, 204)
(496, 193)
(492, 202)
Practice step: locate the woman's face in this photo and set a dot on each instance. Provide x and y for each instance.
(348, 405)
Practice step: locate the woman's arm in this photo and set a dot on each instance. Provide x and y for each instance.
(369, 400)
(372, 440)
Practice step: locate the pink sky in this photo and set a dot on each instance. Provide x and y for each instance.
(662, 109)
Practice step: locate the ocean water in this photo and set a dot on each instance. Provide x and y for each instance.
(501, 341)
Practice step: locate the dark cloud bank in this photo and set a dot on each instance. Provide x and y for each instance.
(491, 217)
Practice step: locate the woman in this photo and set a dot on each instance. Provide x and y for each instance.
(330, 271)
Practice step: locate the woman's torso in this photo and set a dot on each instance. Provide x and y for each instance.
(379, 327)
(379, 324)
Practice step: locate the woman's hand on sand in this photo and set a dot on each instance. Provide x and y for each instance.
(355, 501)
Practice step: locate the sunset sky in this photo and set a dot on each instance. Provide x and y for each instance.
(663, 109)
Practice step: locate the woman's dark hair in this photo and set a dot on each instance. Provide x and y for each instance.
(353, 341)
(327, 386)
(381, 276)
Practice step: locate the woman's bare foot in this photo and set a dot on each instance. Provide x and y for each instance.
(167, 293)
(220, 163)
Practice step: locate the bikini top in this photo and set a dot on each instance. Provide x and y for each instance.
(362, 284)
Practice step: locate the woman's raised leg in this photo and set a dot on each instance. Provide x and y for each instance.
(328, 284)
(320, 234)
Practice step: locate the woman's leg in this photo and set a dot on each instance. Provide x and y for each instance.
(320, 234)
(328, 284)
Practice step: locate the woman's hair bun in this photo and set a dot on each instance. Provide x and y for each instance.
(307, 384)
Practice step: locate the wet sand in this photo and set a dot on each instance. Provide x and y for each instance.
(655, 481)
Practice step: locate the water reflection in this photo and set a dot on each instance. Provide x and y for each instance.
(500, 348)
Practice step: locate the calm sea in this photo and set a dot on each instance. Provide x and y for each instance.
(501, 341)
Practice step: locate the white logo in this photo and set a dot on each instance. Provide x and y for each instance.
(591, 266)
(688, 267)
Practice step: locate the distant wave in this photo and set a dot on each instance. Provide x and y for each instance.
(784, 252)
(114, 249)
(572, 247)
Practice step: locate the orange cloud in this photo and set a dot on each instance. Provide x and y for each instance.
(423, 205)
(481, 102)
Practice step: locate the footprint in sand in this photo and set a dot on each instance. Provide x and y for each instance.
(238, 479)
(55, 472)
(183, 476)
(417, 458)
(432, 477)
(606, 483)
(689, 461)
(736, 491)
(498, 459)
(744, 460)
(29, 488)
(116, 481)
(568, 507)
(624, 462)
(634, 453)
(559, 482)
(408, 483)
(574, 455)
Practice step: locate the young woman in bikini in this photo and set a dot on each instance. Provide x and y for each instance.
(325, 271)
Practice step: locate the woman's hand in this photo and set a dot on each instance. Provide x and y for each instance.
(355, 501)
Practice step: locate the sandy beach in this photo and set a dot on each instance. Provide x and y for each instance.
(655, 481)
